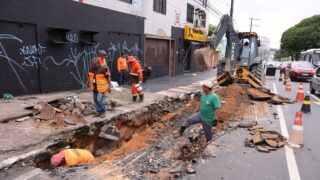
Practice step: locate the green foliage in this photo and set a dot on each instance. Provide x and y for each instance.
(211, 29)
(304, 35)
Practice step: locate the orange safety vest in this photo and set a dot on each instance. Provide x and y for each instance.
(77, 156)
(122, 64)
(100, 79)
(136, 72)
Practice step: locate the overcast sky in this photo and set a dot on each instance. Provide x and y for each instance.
(275, 16)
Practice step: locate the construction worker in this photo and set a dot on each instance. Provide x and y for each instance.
(72, 157)
(136, 78)
(102, 57)
(209, 103)
(122, 69)
(99, 81)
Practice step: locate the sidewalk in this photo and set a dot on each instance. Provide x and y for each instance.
(21, 140)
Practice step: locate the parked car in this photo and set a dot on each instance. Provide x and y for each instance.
(315, 82)
(301, 70)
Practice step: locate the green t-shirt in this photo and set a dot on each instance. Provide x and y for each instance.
(208, 106)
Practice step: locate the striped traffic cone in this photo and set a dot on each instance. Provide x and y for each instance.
(300, 94)
(306, 107)
(288, 85)
(296, 136)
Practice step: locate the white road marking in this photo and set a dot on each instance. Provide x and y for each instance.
(176, 90)
(314, 96)
(165, 93)
(291, 160)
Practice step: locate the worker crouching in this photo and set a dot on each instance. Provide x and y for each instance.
(209, 103)
(99, 81)
(136, 77)
(72, 157)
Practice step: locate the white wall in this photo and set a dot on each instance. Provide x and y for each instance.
(160, 25)
(135, 8)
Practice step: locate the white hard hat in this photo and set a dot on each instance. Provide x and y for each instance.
(208, 84)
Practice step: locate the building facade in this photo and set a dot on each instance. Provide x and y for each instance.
(47, 46)
(168, 49)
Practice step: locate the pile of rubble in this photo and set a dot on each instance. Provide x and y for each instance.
(66, 111)
(266, 95)
(262, 139)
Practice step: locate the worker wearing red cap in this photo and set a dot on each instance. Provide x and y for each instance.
(136, 78)
(72, 157)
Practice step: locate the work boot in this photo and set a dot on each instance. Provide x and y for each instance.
(141, 97)
(182, 129)
(103, 115)
(134, 98)
(96, 114)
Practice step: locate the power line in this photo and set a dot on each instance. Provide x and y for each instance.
(252, 19)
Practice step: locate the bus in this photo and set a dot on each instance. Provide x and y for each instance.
(312, 56)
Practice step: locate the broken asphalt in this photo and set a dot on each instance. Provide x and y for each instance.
(25, 139)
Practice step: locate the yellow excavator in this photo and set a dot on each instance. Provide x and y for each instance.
(241, 63)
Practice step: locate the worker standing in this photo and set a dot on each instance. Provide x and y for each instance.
(136, 78)
(209, 103)
(72, 157)
(122, 69)
(99, 81)
(102, 57)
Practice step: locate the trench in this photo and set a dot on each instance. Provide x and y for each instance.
(147, 147)
(138, 132)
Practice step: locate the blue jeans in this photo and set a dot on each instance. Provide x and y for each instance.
(98, 99)
(122, 77)
(195, 119)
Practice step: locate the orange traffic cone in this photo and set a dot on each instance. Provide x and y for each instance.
(288, 85)
(300, 94)
(296, 136)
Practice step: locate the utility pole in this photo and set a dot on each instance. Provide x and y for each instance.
(231, 9)
(252, 19)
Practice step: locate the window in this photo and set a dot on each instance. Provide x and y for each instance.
(190, 13)
(160, 6)
(127, 1)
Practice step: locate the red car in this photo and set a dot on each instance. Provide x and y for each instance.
(301, 70)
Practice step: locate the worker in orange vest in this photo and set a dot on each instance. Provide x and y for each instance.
(72, 157)
(99, 81)
(122, 69)
(136, 78)
(102, 57)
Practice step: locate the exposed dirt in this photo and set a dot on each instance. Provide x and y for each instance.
(236, 102)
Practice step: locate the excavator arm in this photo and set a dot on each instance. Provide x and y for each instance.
(229, 69)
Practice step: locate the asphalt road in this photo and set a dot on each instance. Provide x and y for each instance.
(234, 161)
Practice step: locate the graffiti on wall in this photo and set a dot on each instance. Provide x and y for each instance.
(77, 61)
(114, 51)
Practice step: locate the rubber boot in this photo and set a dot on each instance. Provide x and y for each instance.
(182, 129)
(134, 98)
(141, 97)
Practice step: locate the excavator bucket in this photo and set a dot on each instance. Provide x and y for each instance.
(224, 79)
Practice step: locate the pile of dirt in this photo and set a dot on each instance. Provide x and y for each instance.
(235, 100)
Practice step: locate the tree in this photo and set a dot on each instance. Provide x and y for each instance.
(304, 35)
(211, 29)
